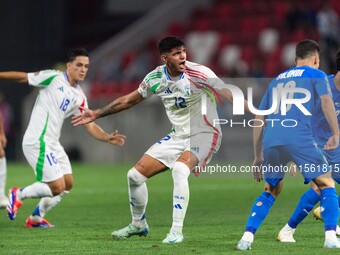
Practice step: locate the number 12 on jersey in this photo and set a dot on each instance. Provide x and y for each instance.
(180, 102)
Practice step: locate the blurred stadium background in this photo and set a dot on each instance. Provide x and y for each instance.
(244, 41)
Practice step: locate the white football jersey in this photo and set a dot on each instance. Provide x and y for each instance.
(189, 100)
(57, 100)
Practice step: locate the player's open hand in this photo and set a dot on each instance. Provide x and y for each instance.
(116, 138)
(332, 143)
(85, 117)
(257, 169)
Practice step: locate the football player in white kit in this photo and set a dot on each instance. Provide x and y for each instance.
(60, 96)
(188, 91)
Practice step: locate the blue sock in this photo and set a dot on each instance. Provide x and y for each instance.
(305, 205)
(339, 205)
(36, 211)
(330, 204)
(259, 211)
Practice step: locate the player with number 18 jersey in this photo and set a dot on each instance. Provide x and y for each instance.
(57, 100)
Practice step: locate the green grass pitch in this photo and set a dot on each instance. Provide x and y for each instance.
(98, 204)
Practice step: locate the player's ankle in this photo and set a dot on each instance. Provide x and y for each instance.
(36, 218)
(139, 223)
(248, 236)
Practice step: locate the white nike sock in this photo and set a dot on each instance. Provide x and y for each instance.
(45, 205)
(3, 175)
(35, 190)
(180, 174)
(138, 195)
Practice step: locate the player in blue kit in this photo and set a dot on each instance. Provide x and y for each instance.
(321, 133)
(297, 88)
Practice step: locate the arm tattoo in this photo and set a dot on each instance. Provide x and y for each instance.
(108, 109)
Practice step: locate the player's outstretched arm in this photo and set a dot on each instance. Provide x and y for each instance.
(20, 77)
(118, 105)
(328, 109)
(98, 133)
(226, 93)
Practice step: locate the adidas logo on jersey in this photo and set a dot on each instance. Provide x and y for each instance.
(168, 91)
(61, 89)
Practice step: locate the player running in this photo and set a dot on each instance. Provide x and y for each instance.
(60, 96)
(183, 87)
(283, 144)
(321, 133)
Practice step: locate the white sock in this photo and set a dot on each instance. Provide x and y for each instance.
(330, 234)
(180, 174)
(337, 230)
(288, 228)
(3, 175)
(45, 205)
(138, 195)
(35, 190)
(248, 236)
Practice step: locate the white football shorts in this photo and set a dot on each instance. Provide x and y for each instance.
(169, 149)
(49, 161)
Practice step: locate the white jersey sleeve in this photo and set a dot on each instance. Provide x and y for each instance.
(215, 81)
(42, 78)
(150, 83)
(204, 75)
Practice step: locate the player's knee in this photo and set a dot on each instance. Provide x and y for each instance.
(68, 186)
(180, 169)
(57, 186)
(315, 188)
(324, 182)
(57, 190)
(135, 178)
(275, 192)
(68, 179)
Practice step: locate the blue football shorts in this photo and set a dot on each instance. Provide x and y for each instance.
(310, 161)
(333, 158)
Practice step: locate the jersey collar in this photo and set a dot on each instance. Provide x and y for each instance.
(66, 77)
(68, 80)
(168, 76)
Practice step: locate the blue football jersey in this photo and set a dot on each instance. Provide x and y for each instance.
(321, 129)
(295, 127)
